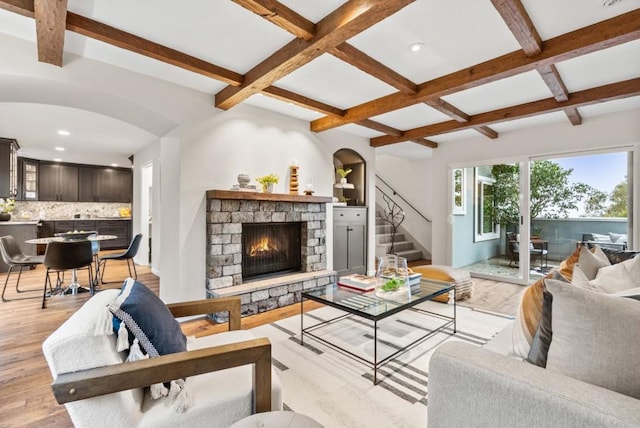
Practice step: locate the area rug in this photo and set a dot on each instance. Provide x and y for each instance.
(337, 390)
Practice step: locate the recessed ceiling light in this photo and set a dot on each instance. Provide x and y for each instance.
(415, 47)
(57, 160)
(63, 132)
(114, 165)
(60, 149)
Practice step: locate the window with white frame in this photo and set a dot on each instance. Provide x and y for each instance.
(486, 227)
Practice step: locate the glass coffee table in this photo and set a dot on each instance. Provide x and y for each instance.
(375, 306)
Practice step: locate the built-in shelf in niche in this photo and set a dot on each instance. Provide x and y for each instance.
(354, 189)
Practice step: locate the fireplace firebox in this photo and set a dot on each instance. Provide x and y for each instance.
(270, 248)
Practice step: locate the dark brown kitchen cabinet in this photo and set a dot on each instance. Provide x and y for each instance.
(105, 185)
(58, 182)
(28, 179)
(119, 228)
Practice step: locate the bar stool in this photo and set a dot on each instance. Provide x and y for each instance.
(13, 256)
(61, 256)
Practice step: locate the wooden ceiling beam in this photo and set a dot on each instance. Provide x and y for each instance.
(517, 19)
(51, 22)
(574, 115)
(486, 131)
(551, 77)
(446, 108)
(459, 116)
(21, 7)
(107, 34)
(346, 21)
(364, 62)
(279, 14)
(301, 101)
(613, 91)
(425, 142)
(604, 34)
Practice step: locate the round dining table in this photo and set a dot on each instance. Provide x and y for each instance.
(74, 287)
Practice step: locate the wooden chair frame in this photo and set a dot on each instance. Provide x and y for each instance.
(137, 374)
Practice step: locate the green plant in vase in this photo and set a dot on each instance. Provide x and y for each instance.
(6, 206)
(268, 181)
(343, 174)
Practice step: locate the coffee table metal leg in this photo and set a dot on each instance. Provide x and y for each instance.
(455, 298)
(301, 321)
(375, 352)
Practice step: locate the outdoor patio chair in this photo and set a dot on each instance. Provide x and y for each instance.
(541, 253)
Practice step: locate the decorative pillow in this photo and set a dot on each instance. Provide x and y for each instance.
(610, 279)
(591, 261)
(595, 338)
(618, 237)
(566, 266)
(145, 326)
(528, 317)
(617, 256)
(542, 339)
(147, 318)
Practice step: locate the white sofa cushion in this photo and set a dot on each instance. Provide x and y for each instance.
(218, 399)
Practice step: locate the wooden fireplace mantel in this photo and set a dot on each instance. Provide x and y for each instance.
(257, 196)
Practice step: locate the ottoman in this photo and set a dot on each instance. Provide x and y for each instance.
(461, 279)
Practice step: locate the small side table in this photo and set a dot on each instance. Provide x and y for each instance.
(277, 419)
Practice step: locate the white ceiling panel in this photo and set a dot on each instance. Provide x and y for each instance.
(528, 122)
(220, 32)
(552, 18)
(314, 11)
(600, 68)
(361, 131)
(456, 34)
(519, 89)
(411, 117)
(95, 139)
(407, 150)
(611, 107)
(334, 82)
(269, 103)
(455, 136)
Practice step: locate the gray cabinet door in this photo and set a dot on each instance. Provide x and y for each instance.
(349, 240)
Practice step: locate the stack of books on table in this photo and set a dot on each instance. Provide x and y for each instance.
(358, 282)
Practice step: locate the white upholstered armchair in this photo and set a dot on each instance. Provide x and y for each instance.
(228, 375)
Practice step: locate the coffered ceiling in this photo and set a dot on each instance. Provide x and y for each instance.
(486, 66)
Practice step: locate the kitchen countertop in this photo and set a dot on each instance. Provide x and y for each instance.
(12, 223)
(35, 222)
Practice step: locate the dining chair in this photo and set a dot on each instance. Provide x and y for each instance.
(13, 257)
(61, 256)
(127, 255)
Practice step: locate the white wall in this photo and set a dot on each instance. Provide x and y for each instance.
(413, 180)
(210, 155)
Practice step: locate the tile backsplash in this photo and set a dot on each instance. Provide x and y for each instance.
(32, 210)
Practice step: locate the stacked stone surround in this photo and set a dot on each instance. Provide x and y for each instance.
(227, 211)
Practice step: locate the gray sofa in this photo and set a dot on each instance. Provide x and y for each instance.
(490, 387)
(476, 387)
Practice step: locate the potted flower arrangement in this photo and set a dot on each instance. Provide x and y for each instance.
(6, 206)
(267, 182)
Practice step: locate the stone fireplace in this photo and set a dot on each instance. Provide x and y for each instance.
(265, 247)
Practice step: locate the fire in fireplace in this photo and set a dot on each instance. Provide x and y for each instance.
(270, 248)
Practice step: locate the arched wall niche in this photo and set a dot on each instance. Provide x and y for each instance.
(353, 193)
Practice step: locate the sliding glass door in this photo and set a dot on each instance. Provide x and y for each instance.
(515, 221)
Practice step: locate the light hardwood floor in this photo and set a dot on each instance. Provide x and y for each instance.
(25, 393)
